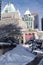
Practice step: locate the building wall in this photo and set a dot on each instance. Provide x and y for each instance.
(29, 19)
(36, 21)
(8, 18)
(38, 34)
(12, 18)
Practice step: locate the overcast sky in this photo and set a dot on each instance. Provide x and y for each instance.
(23, 5)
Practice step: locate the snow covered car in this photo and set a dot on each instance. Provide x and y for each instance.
(37, 51)
(38, 42)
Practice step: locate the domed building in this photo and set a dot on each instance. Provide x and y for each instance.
(10, 15)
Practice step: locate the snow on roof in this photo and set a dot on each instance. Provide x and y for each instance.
(9, 8)
(17, 56)
(27, 12)
(19, 12)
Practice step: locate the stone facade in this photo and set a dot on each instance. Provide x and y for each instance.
(29, 19)
(12, 18)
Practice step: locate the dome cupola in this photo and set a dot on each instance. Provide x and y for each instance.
(9, 8)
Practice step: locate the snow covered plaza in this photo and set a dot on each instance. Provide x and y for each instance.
(20, 56)
(17, 56)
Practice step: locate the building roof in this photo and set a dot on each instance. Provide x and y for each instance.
(27, 12)
(19, 12)
(9, 8)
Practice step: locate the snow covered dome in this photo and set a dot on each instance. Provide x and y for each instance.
(27, 12)
(9, 8)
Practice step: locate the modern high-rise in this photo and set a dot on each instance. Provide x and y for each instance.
(42, 24)
(36, 20)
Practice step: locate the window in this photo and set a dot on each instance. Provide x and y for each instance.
(31, 19)
(31, 24)
(27, 25)
(6, 11)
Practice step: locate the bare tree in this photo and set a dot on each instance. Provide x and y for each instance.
(10, 33)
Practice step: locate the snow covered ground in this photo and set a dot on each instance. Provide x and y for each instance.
(17, 56)
(41, 62)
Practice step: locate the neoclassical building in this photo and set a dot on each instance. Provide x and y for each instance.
(10, 15)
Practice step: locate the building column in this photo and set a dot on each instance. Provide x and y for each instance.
(24, 38)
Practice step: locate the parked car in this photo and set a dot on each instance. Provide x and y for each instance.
(38, 42)
(29, 41)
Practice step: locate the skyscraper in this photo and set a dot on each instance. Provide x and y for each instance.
(29, 19)
(42, 24)
(0, 9)
(36, 21)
